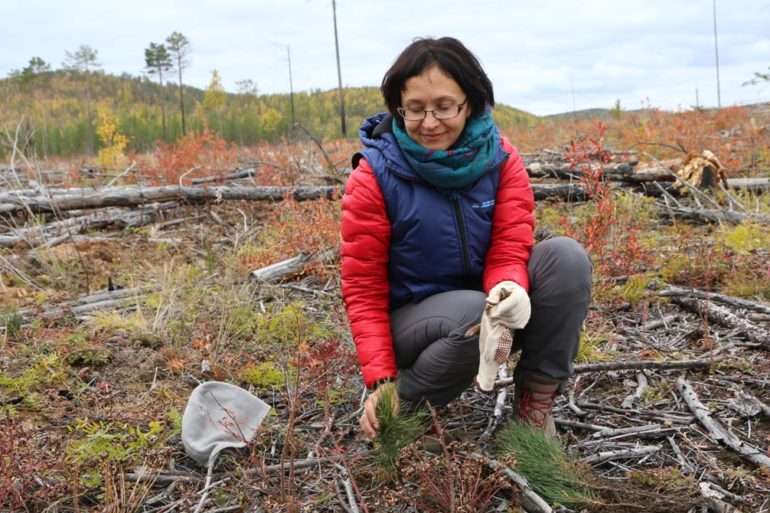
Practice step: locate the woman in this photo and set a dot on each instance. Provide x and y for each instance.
(437, 225)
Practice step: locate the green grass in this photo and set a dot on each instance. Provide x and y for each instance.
(545, 465)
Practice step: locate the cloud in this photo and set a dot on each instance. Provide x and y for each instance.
(539, 54)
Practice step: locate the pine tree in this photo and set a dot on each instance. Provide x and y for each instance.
(157, 60)
(83, 61)
(179, 46)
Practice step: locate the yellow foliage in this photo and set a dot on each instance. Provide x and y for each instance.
(215, 96)
(745, 238)
(112, 153)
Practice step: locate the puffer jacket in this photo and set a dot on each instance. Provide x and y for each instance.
(404, 240)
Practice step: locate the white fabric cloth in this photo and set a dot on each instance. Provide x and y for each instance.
(219, 416)
(507, 309)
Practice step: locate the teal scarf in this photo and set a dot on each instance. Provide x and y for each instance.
(461, 165)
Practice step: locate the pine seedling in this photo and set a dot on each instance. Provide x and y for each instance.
(396, 430)
(545, 465)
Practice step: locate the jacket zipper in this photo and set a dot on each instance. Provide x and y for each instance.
(463, 238)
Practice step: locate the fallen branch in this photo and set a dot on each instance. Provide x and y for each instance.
(716, 430)
(724, 317)
(634, 398)
(531, 501)
(235, 175)
(621, 454)
(713, 215)
(674, 291)
(610, 366)
(290, 266)
(38, 235)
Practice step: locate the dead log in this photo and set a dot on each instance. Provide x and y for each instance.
(291, 266)
(566, 192)
(621, 171)
(724, 317)
(38, 235)
(86, 304)
(235, 175)
(713, 215)
(716, 430)
(736, 302)
(65, 200)
(133, 196)
(749, 184)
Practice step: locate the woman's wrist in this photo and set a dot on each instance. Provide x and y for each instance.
(382, 381)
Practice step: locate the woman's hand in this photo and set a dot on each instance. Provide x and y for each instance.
(368, 421)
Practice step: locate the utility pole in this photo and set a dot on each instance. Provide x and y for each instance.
(716, 54)
(697, 100)
(291, 88)
(339, 72)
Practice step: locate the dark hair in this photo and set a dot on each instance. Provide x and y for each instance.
(452, 57)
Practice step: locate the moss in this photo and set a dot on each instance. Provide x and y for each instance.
(590, 348)
(265, 375)
(745, 238)
(101, 441)
(46, 370)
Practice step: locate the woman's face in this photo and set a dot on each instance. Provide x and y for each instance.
(434, 89)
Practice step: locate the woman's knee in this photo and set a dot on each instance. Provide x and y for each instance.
(560, 264)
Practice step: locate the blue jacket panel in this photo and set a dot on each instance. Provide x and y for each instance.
(439, 238)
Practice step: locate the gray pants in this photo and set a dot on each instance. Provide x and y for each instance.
(436, 361)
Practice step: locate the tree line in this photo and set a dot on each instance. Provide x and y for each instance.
(55, 110)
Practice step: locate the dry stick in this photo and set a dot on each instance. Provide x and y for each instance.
(604, 456)
(278, 270)
(317, 142)
(171, 477)
(724, 317)
(447, 458)
(531, 501)
(497, 414)
(674, 291)
(714, 499)
(763, 408)
(348, 489)
(717, 431)
(634, 430)
(609, 366)
(641, 386)
(235, 175)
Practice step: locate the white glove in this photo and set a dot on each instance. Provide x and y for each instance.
(507, 309)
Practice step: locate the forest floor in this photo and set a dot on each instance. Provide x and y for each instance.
(106, 332)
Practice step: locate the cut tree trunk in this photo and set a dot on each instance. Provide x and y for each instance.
(39, 235)
(133, 196)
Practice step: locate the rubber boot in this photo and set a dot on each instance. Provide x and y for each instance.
(533, 399)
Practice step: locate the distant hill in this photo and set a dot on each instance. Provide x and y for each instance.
(59, 111)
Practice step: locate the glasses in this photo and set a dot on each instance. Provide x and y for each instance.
(441, 113)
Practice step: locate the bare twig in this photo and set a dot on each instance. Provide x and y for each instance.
(621, 454)
(531, 501)
(719, 433)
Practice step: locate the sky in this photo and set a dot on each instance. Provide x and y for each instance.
(544, 56)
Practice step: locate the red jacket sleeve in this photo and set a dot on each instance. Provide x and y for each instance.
(364, 272)
(513, 225)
